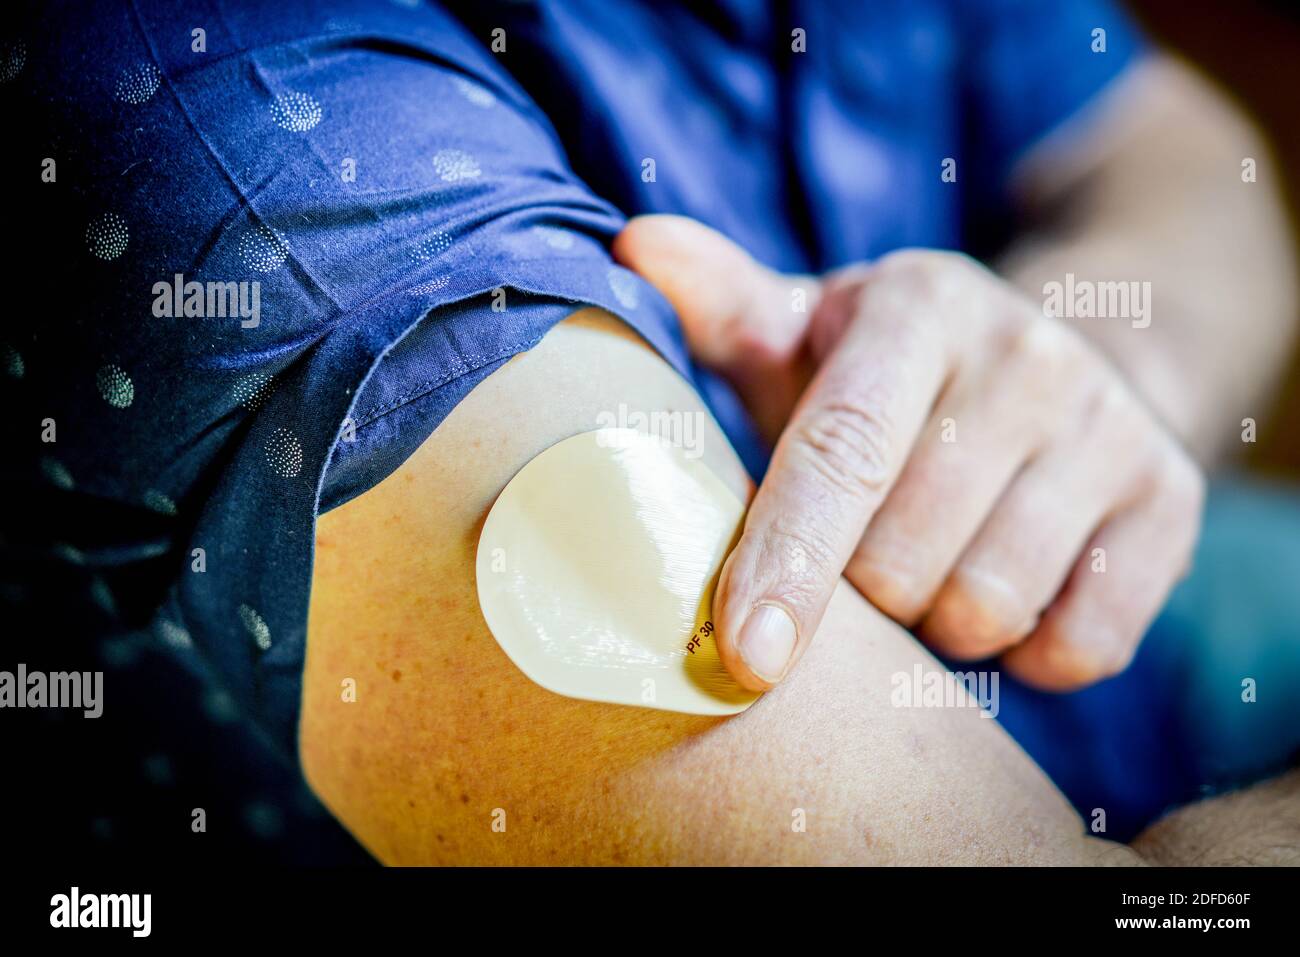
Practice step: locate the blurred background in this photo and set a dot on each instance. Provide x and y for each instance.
(1252, 48)
(123, 789)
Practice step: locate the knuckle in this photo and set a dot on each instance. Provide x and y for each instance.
(1045, 362)
(1083, 653)
(1184, 482)
(925, 262)
(887, 585)
(926, 274)
(1100, 406)
(1111, 396)
(1041, 347)
(1112, 410)
(806, 563)
(851, 446)
(908, 259)
(979, 615)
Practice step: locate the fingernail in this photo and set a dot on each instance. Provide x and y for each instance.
(767, 642)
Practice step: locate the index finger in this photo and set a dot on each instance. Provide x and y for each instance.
(831, 470)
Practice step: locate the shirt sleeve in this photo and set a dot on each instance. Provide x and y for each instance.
(1028, 66)
(384, 217)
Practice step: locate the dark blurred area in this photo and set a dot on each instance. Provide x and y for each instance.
(122, 790)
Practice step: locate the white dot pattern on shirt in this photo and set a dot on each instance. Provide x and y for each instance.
(220, 707)
(102, 596)
(252, 390)
(70, 553)
(284, 453)
(115, 386)
(119, 652)
(255, 626)
(262, 250)
(553, 237)
(475, 93)
(137, 83)
(431, 247)
(263, 820)
(57, 473)
(13, 55)
(107, 236)
(433, 285)
(173, 634)
(295, 111)
(623, 284)
(158, 502)
(454, 166)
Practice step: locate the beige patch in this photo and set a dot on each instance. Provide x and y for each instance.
(596, 569)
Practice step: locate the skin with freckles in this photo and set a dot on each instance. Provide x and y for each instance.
(446, 735)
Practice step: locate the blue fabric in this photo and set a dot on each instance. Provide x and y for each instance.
(1212, 701)
(389, 181)
(231, 165)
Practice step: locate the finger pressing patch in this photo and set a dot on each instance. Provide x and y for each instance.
(596, 568)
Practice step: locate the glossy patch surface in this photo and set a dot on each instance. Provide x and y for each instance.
(596, 568)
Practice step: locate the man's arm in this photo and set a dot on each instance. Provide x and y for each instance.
(1258, 826)
(447, 736)
(1150, 187)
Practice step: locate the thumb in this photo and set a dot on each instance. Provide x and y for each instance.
(743, 320)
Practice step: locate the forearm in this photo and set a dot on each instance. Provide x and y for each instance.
(1156, 195)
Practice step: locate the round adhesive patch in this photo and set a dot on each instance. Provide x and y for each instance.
(596, 568)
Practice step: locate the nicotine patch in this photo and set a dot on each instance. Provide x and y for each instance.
(596, 568)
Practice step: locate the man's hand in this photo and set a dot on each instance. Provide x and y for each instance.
(973, 467)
